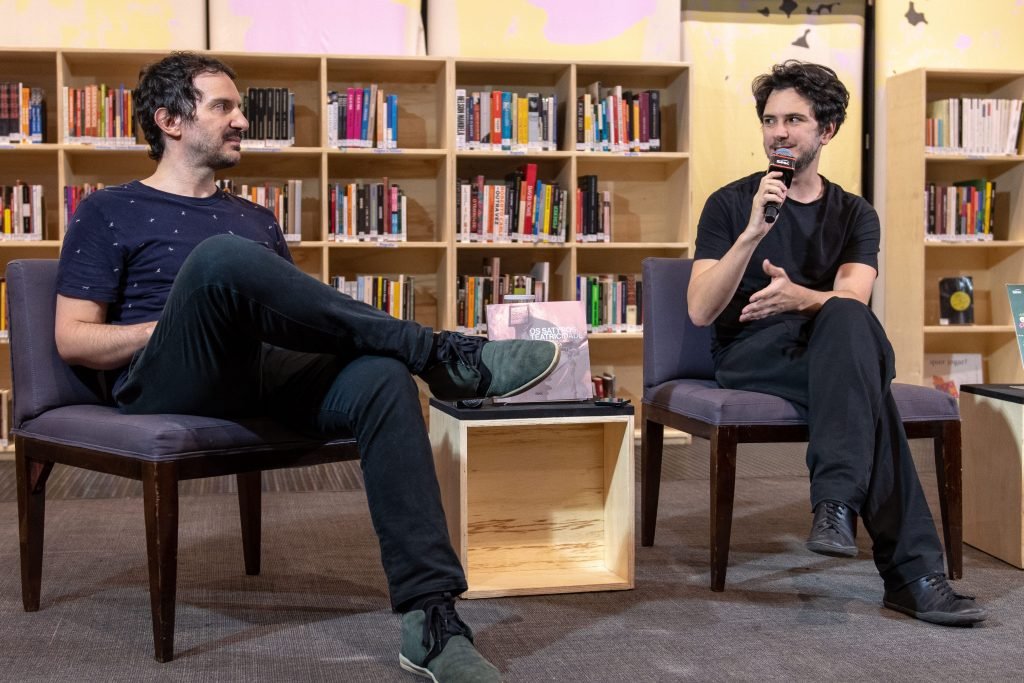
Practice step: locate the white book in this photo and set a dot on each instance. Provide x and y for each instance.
(332, 124)
(485, 120)
(460, 119)
(37, 211)
(948, 371)
(405, 226)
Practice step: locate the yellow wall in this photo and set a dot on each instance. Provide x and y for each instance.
(616, 30)
(987, 36)
(109, 24)
(729, 42)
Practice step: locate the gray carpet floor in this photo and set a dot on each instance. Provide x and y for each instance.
(319, 610)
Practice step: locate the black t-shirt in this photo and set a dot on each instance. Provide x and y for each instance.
(809, 241)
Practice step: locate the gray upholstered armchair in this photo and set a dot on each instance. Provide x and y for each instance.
(680, 392)
(61, 416)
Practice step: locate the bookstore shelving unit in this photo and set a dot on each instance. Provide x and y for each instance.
(913, 267)
(651, 190)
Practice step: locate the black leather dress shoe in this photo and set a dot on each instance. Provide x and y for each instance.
(932, 599)
(832, 531)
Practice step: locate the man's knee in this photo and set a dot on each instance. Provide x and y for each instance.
(844, 306)
(852, 320)
(849, 314)
(383, 379)
(222, 257)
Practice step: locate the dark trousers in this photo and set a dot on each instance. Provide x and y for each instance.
(245, 333)
(838, 366)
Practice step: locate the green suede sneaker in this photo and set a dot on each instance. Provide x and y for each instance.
(472, 367)
(438, 645)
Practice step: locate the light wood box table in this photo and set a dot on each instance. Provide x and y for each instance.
(539, 497)
(992, 422)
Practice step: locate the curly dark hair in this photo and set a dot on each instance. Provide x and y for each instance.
(819, 84)
(170, 83)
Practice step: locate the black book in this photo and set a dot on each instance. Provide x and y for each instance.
(361, 209)
(593, 204)
(655, 120)
(544, 123)
(580, 132)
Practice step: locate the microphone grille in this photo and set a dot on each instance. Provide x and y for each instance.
(784, 152)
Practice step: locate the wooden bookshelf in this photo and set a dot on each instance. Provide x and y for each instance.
(914, 267)
(651, 191)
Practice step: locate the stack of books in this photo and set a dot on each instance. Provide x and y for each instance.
(271, 115)
(99, 115)
(613, 303)
(973, 125)
(593, 211)
(519, 208)
(962, 211)
(22, 114)
(367, 212)
(21, 211)
(613, 120)
(499, 120)
(362, 117)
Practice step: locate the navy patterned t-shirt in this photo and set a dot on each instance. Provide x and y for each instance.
(125, 244)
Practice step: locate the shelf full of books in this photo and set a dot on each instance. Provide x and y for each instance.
(22, 113)
(422, 181)
(961, 211)
(520, 208)
(367, 212)
(957, 178)
(612, 302)
(362, 117)
(976, 126)
(609, 119)
(21, 212)
(271, 116)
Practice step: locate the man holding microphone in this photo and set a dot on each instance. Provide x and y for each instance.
(784, 266)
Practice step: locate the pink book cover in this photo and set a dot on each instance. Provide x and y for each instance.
(558, 321)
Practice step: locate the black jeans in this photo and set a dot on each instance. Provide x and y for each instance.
(838, 366)
(245, 333)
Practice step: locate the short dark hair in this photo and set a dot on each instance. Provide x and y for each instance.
(819, 84)
(170, 84)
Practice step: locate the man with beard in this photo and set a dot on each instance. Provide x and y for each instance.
(788, 300)
(190, 297)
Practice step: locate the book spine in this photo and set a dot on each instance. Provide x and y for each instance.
(506, 121)
(460, 119)
(496, 117)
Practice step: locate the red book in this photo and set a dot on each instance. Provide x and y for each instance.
(478, 204)
(530, 179)
(645, 121)
(495, 119)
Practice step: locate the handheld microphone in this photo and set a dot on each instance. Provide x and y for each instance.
(784, 161)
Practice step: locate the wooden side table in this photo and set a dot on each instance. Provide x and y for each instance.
(539, 497)
(992, 418)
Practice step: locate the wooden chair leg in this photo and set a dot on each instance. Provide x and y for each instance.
(723, 489)
(250, 499)
(160, 498)
(652, 440)
(31, 480)
(948, 473)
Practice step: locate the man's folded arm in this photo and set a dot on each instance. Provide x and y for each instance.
(85, 338)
